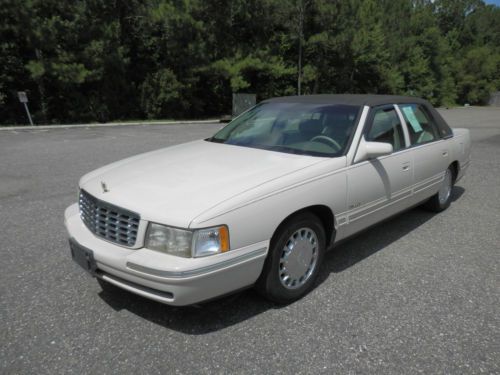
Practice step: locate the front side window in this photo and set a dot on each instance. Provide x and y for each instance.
(299, 128)
(421, 127)
(386, 127)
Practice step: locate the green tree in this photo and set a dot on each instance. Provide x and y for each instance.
(99, 60)
(479, 75)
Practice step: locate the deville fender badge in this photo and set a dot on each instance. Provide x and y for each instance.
(104, 187)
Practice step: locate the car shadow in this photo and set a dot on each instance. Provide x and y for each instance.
(233, 309)
(376, 238)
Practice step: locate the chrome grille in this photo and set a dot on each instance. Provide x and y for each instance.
(105, 220)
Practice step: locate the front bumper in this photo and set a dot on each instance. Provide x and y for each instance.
(166, 278)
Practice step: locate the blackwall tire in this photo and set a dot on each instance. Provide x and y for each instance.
(442, 199)
(294, 259)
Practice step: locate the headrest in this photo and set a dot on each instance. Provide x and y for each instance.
(338, 123)
(311, 127)
(381, 124)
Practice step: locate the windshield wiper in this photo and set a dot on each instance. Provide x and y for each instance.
(215, 140)
(278, 148)
(296, 151)
(289, 150)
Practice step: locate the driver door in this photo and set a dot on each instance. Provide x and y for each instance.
(380, 187)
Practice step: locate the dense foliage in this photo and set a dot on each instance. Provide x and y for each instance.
(102, 60)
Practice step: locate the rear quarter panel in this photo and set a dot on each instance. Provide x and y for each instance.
(460, 149)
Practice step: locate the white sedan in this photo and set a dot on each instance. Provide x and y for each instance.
(260, 202)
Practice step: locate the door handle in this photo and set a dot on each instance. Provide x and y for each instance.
(444, 153)
(406, 166)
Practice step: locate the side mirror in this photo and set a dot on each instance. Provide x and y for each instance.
(370, 150)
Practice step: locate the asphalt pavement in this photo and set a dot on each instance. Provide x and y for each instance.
(417, 294)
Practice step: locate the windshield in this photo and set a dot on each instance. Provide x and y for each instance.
(299, 128)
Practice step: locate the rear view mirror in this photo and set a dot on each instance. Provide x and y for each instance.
(370, 150)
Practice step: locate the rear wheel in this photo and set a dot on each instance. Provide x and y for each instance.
(442, 199)
(294, 259)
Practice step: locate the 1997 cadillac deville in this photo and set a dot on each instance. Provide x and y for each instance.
(261, 201)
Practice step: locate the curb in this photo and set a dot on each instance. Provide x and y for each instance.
(108, 125)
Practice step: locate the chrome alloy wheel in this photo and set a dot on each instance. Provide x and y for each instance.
(445, 190)
(298, 258)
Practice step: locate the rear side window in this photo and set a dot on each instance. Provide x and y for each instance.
(421, 126)
(386, 127)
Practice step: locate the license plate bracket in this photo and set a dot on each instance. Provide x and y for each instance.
(83, 257)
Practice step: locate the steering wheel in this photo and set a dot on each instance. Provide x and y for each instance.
(327, 140)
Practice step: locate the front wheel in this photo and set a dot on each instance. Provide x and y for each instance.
(442, 199)
(294, 259)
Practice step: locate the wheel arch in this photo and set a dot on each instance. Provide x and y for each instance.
(455, 167)
(324, 214)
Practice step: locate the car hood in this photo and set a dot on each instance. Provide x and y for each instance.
(175, 184)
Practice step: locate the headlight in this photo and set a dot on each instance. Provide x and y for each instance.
(169, 240)
(186, 243)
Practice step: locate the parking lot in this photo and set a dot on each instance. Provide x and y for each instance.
(419, 293)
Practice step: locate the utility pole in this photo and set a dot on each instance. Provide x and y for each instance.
(301, 9)
(23, 98)
(299, 78)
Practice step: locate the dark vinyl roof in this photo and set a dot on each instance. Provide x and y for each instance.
(349, 99)
(368, 100)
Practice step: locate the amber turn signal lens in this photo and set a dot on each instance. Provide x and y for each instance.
(224, 239)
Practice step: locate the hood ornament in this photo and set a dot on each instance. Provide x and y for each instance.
(104, 187)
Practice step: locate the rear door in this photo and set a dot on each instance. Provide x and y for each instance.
(430, 153)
